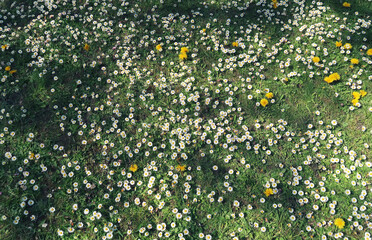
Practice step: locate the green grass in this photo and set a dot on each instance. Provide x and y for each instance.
(75, 128)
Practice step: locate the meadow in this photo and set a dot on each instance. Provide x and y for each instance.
(185, 119)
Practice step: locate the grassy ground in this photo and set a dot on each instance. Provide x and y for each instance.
(147, 119)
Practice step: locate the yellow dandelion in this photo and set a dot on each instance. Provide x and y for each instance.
(264, 102)
(86, 47)
(4, 46)
(356, 95)
(338, 44)
(335, 76)
(346, 4)
(339, 223)
(235, 44)
(328, 79)
(363, 93)
(159, 47)
(354, 61)
(369, 52)
(7, 68)
(181, 168)
(268, 192)
(182, 56)
(316, 59)
(184, 50)
(269, 95)
(275, 4)
(133, 168)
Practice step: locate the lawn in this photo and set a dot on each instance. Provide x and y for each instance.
(185, 119)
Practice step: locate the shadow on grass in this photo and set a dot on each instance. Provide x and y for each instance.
(364, 9)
